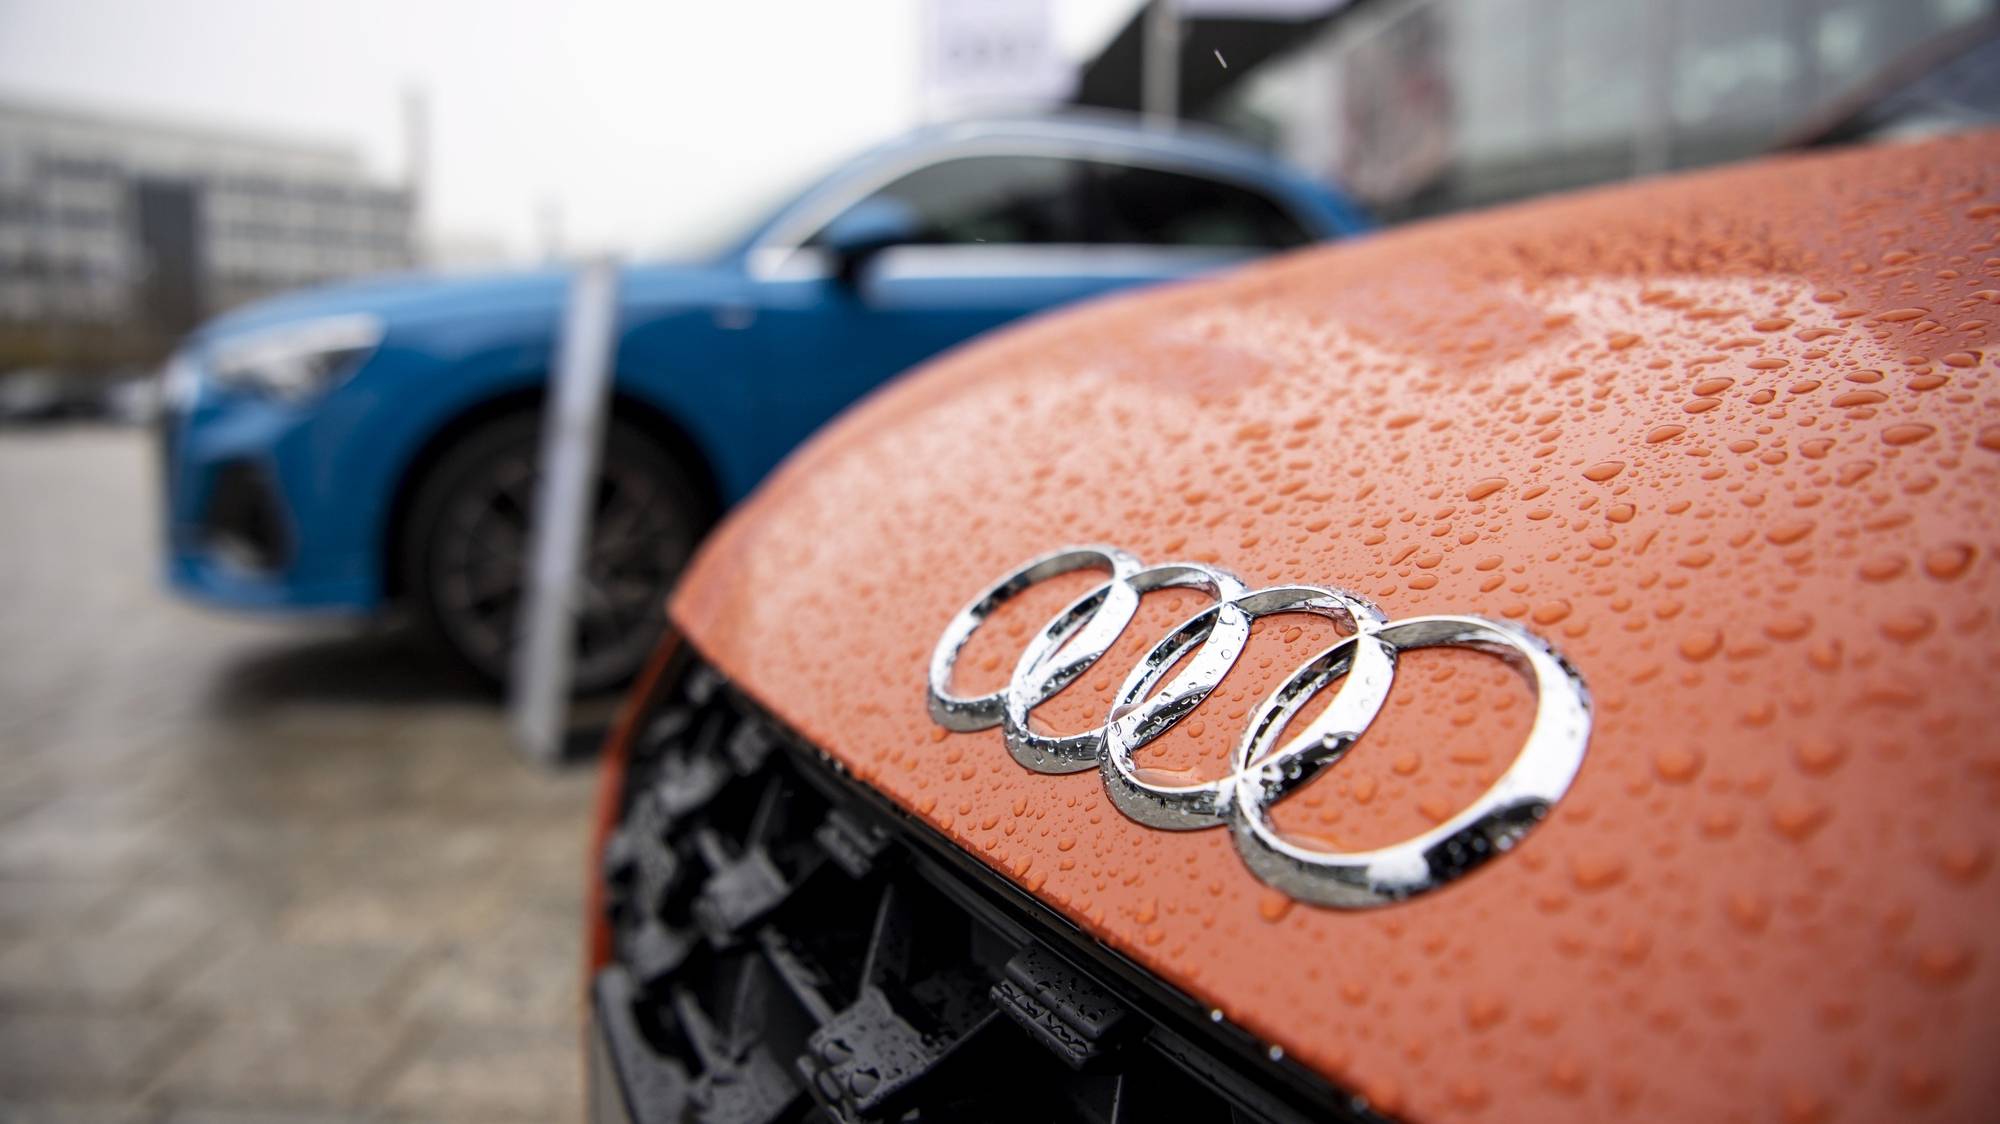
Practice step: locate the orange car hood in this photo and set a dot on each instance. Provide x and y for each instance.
(1730, 441)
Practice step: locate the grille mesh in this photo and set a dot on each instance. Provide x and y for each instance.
(787, 947)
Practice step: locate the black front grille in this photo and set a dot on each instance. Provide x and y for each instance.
(789, 947)
(242, 520)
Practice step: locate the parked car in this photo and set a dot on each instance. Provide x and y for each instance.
(36, 396)
(352, 447)
(1526, 666)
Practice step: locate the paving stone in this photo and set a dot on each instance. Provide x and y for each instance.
(263, 1114)
(415, 845)
(267, 975)
(123, 965)
(95, 1052)
(549, 853)
(205, 905)
(61, 903)
(36, 845)
(439, 912)
(27, 782)
(501, 981)
(129, 949)
(299, 1060)
(257, 869)
(478, 1072)
(75, 1112)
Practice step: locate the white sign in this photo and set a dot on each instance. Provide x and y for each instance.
(990, 54)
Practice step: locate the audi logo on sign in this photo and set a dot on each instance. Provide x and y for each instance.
(1263, 771)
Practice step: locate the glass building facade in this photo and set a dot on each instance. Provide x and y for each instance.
(1420, 106)
(117, 235)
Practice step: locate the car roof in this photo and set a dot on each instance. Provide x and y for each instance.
(1121, 136)
(1184, 141)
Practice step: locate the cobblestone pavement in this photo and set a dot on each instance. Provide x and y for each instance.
(256, 870)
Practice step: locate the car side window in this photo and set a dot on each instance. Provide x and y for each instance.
(990, 199)
(1154, 207)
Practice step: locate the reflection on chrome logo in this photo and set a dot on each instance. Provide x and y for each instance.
(1262, 770)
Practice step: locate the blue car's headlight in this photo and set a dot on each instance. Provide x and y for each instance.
(295, 360)
(180, 380)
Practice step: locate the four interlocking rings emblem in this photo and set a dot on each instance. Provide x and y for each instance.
(1262, 770)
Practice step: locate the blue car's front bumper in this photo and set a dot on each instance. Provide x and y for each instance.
(249, 521)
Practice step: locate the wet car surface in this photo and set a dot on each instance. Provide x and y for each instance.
(1725, 440)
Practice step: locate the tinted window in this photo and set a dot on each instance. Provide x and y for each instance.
(1021, 200)
(996, 199)
(1153, 207)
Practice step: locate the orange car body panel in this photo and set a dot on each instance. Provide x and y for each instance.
(1731, 441)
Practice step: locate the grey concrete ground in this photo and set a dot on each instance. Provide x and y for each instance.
(256, 870)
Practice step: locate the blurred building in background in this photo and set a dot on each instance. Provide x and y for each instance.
(1423, 106)
(118, 234)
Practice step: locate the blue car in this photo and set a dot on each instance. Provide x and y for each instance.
(370, 444)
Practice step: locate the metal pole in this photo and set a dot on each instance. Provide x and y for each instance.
(1653, 133)
(1160, 69)
(572, 428)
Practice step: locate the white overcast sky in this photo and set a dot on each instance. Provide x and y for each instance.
(637, 120)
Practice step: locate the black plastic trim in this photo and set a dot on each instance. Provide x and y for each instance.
(739, 882)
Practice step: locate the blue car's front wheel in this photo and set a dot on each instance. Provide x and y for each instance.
(466, 548)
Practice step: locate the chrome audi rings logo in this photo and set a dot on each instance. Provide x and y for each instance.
(1262, 771)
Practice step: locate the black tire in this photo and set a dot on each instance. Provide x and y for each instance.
(464, 549)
